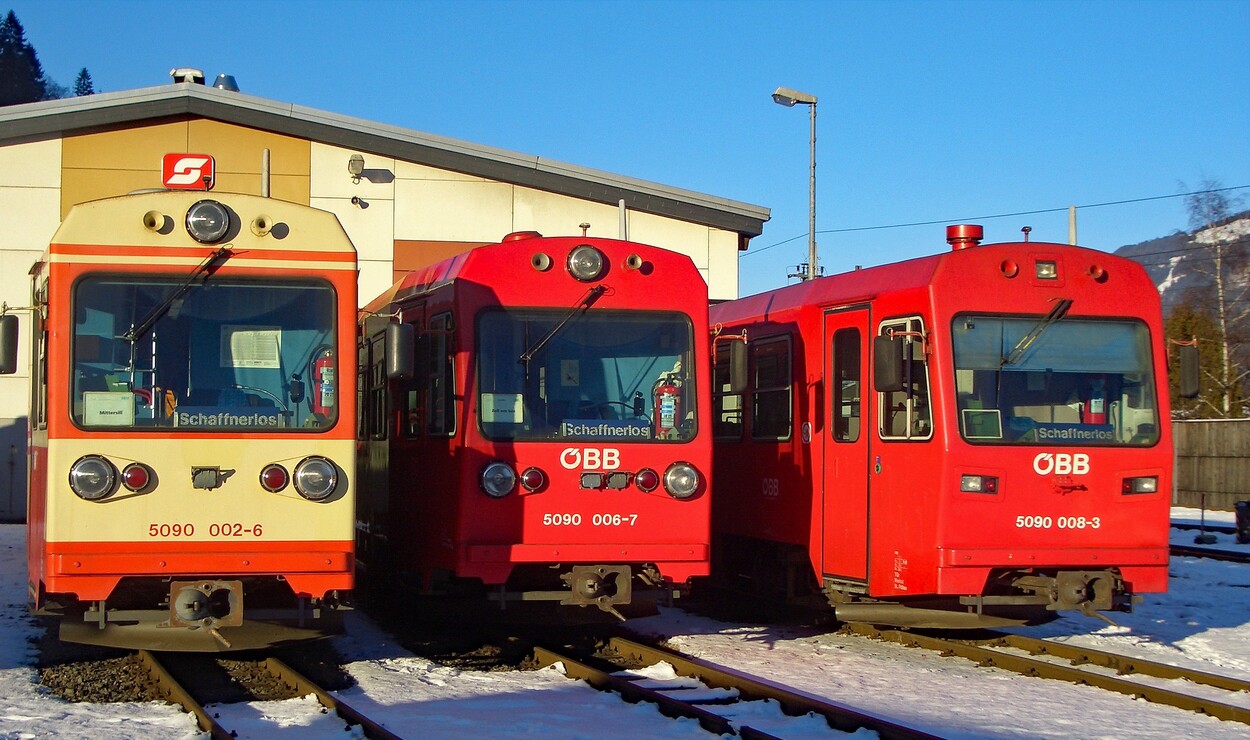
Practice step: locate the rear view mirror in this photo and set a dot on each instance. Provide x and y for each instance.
(8, 344)
(887, 368)
(737, 367)
(399, 351)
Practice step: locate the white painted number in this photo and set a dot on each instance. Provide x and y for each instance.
(1061, 522)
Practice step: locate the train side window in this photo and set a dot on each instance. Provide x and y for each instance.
(907, 413)
(771, 411)
(726, 406)
(377, 393)
(845, 385)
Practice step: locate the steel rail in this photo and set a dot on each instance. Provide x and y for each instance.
(839, 717)
(1189, 551)
(634, 693)
(167, 686)
(295, 680)
(1028, 666)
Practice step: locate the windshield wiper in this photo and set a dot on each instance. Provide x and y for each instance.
(1057, 312)
(210, 263)
(586, 302)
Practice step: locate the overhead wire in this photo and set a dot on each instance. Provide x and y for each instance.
(988, 218)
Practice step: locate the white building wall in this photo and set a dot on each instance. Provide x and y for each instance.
(30, 211)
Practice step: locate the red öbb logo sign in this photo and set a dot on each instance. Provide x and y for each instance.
(188, 171)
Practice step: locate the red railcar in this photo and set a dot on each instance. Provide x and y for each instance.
(536, 422)
(956, 440)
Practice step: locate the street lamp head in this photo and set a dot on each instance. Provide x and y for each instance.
(789, 98)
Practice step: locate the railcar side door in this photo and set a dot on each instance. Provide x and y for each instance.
(845, 439)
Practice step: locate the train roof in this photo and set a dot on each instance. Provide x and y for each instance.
(19, 123)
(490, 262)
(915, 274)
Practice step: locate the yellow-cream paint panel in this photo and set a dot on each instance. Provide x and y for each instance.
(127, 517)
(309, 229)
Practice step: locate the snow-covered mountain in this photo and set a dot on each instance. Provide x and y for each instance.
(1180, 264)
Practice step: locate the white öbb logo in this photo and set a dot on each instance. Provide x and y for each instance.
(1061, 463)
(590, 458)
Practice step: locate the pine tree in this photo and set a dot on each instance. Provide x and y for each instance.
(21, 75)
(83, 84)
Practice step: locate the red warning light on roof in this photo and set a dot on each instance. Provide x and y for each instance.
(188, 171)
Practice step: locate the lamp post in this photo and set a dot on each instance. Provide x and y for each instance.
(789, 98)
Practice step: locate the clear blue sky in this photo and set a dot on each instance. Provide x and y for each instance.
(929, 111)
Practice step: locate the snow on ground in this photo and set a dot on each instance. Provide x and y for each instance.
(1203, 621)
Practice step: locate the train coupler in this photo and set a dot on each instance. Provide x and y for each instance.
(603, 586)
(210, 604)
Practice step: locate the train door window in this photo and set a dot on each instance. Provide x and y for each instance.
(439, 379)
(771, 412)
(376, 412)
(39, 383)
(726, 406)
(845, 385)
(362, 382)
(907, 413)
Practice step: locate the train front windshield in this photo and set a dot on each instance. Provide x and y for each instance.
(1070, 381)
(214, 355)
(592, 375)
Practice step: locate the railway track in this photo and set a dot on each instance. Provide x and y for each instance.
(1231, 556)
(1046, 659)
(730, 691)
(176, 692)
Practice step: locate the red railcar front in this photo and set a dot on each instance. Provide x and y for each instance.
(552, 443)
(974, 435)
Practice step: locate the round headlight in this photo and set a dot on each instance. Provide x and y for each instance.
(208, 221)
(586, 263)
(681, 480)
(92, 478)
(498, 479)
(315, 478)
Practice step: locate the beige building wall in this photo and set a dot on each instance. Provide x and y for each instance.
(400, 215)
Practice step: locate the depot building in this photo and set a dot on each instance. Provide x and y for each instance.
(406, 198)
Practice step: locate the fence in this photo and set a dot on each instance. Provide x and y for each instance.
(1212, 458)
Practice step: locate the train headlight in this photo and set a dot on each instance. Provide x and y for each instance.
(1144, 484)
(978, 484)
(681, 480)
(136, 477)
(273, 478)
(208, 221)
(92, 478)
(1046, 270)
(498, 479)
(315, 478)
(586, 263)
